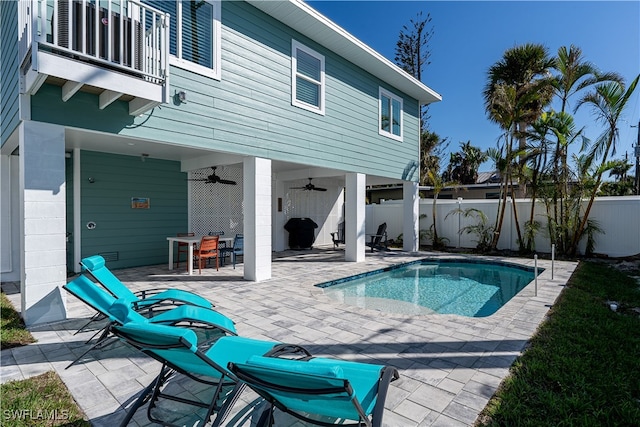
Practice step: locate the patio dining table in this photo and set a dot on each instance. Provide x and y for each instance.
(191, 241)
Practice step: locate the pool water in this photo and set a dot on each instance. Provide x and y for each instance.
(465, 288)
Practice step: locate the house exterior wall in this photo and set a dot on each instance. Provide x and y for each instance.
(9, 82)
(137, 236)
(249, 110)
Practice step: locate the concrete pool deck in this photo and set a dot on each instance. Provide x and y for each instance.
(449, 365)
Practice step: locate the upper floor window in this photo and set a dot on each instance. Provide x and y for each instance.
(307, 78)
(194, 34)
(390, 115)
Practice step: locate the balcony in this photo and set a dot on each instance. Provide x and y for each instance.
(117, 50)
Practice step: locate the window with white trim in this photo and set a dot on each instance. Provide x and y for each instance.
(194, 34)
(307, 78)
(390, 115)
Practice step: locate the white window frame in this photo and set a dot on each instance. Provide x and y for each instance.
(216, 43)
(392, 97)
(295, 46)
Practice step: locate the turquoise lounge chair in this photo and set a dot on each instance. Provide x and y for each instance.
(319, 390)
(208, 323)
(147, 299)
(178, 351)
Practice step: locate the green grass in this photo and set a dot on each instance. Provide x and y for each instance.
(582, 367)
(39, 401)
(43, 400)
(12, 330)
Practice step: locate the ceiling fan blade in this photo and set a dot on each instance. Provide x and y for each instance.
(198, 179)
(319, 189)
(226, 181)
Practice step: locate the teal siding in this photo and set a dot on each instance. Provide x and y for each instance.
(137, 235)
(249, 110)
(9, 81)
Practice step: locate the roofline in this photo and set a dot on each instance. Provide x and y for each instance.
(311, 23)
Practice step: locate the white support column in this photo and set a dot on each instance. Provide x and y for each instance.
(257, 218)
(355, 217)
(411, 217)
(43, 263)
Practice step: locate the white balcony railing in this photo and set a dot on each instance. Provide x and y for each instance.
(121, 35)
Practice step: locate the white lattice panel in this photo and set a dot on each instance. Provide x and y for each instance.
(217, 207)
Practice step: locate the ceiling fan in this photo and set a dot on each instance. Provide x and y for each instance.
(309, 187)
(214, 179)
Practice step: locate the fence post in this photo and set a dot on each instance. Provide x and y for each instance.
(553, 258)
(459, 218)
(535, 272)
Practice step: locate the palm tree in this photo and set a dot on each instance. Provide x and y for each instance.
(438, 184)
(574, 75)
(432, 147)
(608, 101)
(517, 90)
(527, 69)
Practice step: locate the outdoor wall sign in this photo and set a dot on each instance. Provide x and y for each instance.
(140, 203)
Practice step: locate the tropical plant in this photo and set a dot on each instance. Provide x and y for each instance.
(623, 184)
(518, 89)
(463, 165)
(574, 74)
(432, 147)
(483, 231)
(526, 70)
(620, 168)
(608, 102)
(438, 184)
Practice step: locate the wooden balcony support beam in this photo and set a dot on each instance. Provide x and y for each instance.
(107, 98)
(138, 106)
(69, 89)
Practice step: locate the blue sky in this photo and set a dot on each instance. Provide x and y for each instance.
(470, 36)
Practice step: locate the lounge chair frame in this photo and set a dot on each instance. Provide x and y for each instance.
(153, 392)
(387, 375)
(102, 301)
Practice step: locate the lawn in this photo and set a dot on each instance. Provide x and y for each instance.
(39, 401)
(582, 366)
(12, 330)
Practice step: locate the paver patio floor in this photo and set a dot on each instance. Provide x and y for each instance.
(449, 365)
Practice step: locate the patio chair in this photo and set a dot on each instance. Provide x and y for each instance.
(146, 299)
(208, 249)
(208, 323)
(379, 240)
(182, 360)
(317, 390)
(235, 250)
(183, 248)
(338, 236)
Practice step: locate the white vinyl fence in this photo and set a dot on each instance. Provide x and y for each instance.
(618, 217)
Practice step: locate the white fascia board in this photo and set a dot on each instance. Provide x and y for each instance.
(80, 72)
(306, 20)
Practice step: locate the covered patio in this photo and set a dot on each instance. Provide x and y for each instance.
(449, 365)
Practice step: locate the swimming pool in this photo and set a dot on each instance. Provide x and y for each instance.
(472, 288)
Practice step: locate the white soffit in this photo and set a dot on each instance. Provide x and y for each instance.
(306, 20)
